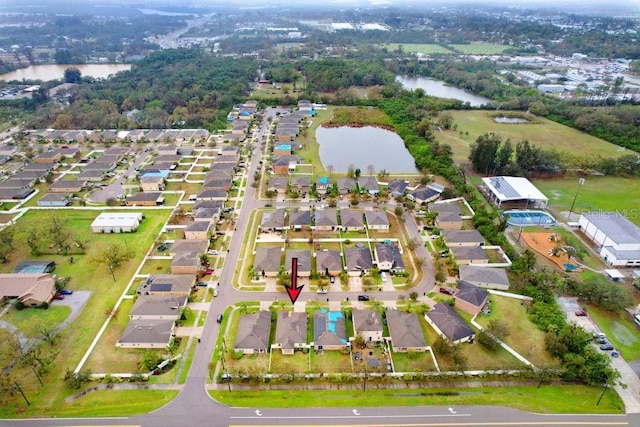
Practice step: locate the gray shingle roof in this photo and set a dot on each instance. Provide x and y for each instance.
(303, 256)
(328, 260)
(291, 329)
(449, 322)
(151, 305)
(267, 259)
(486, 275)
(145, 331)
(405, 329)
(326, 218)
(253, 331)
(358, 258)
(367, 320)
(471, 294)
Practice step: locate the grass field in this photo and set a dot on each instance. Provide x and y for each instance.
(112, 403)
(417, 48)
(543, 133)
(23, 319)
(620, 330)
(85, 274)
(480, 48)
(547, 399)
(598, 193)
(525, 337)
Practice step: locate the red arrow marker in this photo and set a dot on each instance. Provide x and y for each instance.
(294, 290)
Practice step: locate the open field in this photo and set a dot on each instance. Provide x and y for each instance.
(86, 274)
(547, 399)
(111, 403)
(480, 48)
(416, 48)
(23, 319)
(543, 133)
(598, 193)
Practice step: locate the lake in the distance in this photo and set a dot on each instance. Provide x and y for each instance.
(362, 147)
(46, 72)
(438, 88)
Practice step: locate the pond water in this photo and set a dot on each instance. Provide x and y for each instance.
(48, 72)
(510, 120)
(362, 147)
(440, 89)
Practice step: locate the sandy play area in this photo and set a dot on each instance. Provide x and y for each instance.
(544, 244)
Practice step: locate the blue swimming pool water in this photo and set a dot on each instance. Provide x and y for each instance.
(529, 218)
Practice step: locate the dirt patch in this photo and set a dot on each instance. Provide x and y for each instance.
(547, 245)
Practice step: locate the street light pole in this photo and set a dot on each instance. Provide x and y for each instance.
(580, 184)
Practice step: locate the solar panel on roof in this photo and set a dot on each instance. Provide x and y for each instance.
(160, 287)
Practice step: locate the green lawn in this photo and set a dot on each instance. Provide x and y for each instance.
(416, 48)
(547, 399)
(330, 361)
(525, 337)
(156, 266)
(22, 319)
(541, 133)
(604, 192)
(480, 48)
(113, 403)
(413, 362)
(289, 363)
(85, 274)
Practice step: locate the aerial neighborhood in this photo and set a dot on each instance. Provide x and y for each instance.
(300, 218)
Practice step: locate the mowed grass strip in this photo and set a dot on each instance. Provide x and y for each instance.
(480, 48)
(543, 133)
(24, 319)
(558, 399)
(620, 330)
(114, 403)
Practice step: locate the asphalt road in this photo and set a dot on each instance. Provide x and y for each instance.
(194, 407)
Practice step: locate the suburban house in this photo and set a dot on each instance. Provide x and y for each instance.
(304, 261)
(465, 255)
(32, 290)
(285, 164)
(54, 199)
(152, 183)
(405, 332)
(618, 239)
(205, 215)
(184, 245)
(168, 284)
(377, 220)
(217, 183)
(397, 187)
(329, 330)
(252, 336)
(301, 184)
(470, 298)
(449, 215)
(198, 230)
(273, 221)
(300, 219)
(267, 260)
(358, 261)
(147, 333)
(322, 185)
(278, 184)
(351, 220)
(116, 222)
(145, 199)
(462, 238)
(326, 220)
(185, 263)
(282, 150)
(368, 184)
(52, 156)
(389, 258)
(328, 263)
(158, 307)
(346, 185)
(423, 195)
(367, 324)
(291, 331)
(448, 324)
(60, 186)
(485, 277)
(212, 194)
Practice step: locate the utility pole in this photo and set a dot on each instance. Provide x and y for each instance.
(580, 184)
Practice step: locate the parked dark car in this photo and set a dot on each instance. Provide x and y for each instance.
(202, 284)
(601, 340)
(446, 290)
(606, 347)
(363, 297)
(66, 292)
(58, 296)
(581, 313)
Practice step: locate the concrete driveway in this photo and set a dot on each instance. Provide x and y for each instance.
(76, 302)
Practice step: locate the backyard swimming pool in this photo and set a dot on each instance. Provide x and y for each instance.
(529, 218)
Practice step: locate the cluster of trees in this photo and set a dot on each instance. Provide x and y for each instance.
(490, 156)
(173, 88)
